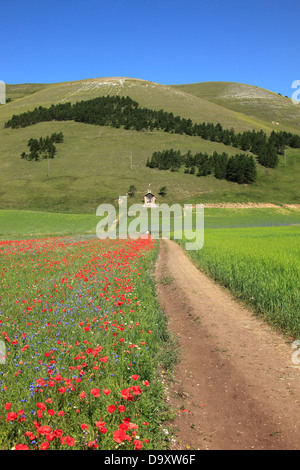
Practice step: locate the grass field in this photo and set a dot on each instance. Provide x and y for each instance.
(29, 224)
(260, 266)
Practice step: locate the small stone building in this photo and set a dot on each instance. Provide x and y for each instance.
(149, 198)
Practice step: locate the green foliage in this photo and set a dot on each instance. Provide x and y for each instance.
(132, 190)
(267, 156)
(240, 168)
(42, 148)
(163, 191)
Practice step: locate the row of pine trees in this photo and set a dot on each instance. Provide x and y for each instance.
(124, 112)
(240, 168)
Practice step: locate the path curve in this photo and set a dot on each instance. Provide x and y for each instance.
(235, 386)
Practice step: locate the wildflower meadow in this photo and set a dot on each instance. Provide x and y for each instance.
(83, 332)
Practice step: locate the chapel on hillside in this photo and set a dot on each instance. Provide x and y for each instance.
(149, 198)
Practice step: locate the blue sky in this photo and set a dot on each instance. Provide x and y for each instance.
(165, 41)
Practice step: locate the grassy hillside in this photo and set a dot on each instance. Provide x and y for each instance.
(148, 94)
(97, 164)
(252, 101)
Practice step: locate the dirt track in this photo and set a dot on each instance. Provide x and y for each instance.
(236, 386)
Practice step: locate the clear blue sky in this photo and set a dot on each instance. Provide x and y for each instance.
(165, 41)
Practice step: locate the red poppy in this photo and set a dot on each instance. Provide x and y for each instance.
(41, 406)
(119, 436)
(70, 441)
(93, 445)
(43, 430)
(22, 447)
(111, 408)
(44, 445)
(138, 444)
(11, 416)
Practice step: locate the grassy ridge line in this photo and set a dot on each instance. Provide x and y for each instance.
(250, 100)
(147, 94)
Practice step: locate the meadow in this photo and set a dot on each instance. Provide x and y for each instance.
(260, 266)
(85, 341)
(30, 224)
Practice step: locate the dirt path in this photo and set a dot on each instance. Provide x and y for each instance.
(235, 386)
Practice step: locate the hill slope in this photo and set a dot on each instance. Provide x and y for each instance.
(97, 164)
(147, 94)
(252, 101)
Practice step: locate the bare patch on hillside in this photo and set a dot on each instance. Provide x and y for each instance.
(242, 92)
(250, 205)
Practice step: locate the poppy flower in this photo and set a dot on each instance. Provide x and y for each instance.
(93, 445)
(111, 409)
(41, 406)
(43, 430)
(138, 444)
(22, 447)
(119, 436)
(70, 441)
(11, 416)
(44, 445)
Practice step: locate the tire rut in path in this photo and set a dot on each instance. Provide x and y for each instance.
(235, 386)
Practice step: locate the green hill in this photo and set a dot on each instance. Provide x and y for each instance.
(97, 164)
(252, 101)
